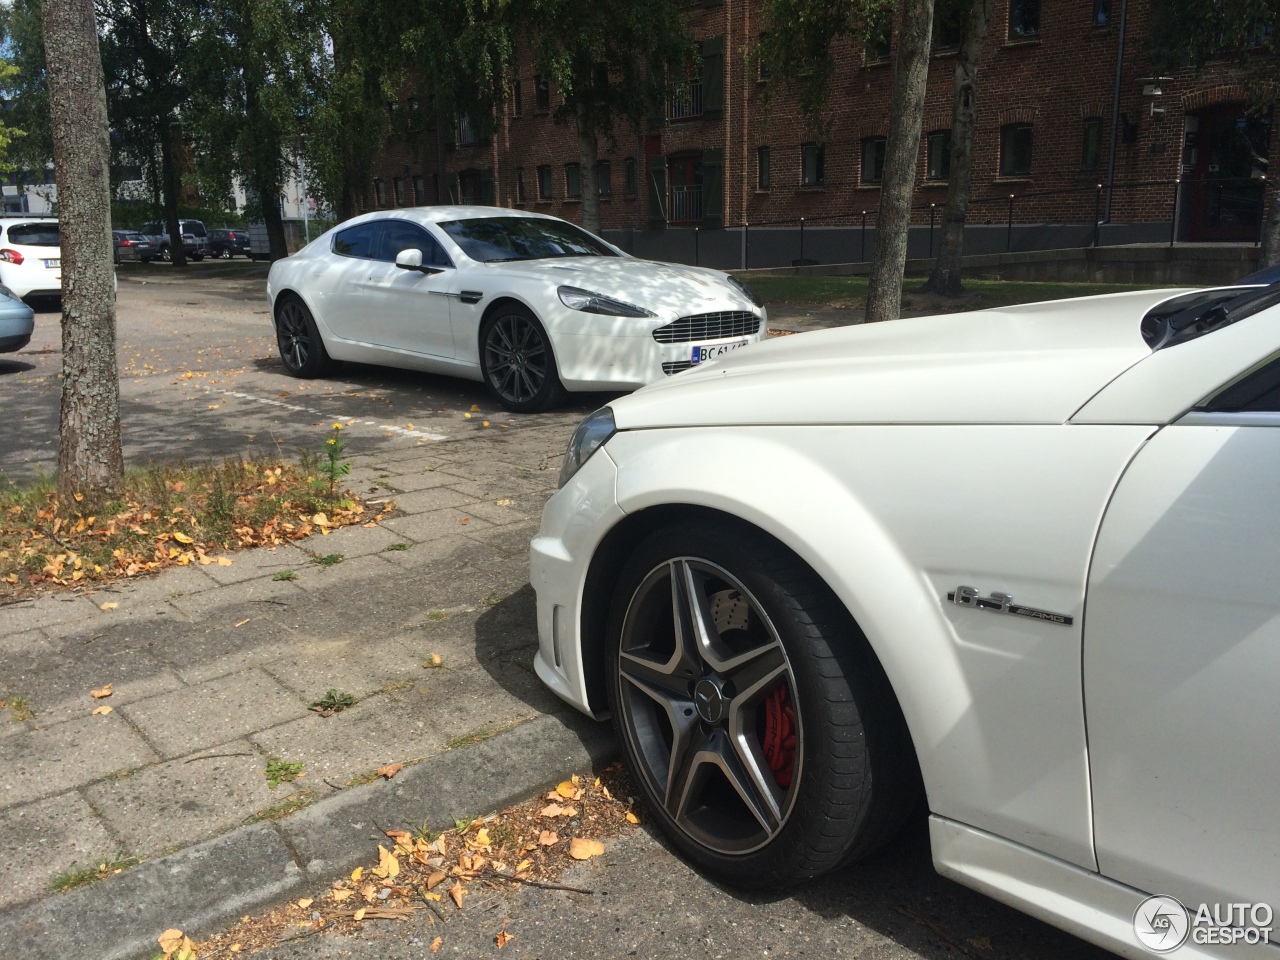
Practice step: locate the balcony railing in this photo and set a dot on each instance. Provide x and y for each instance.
(686, 101)
(686, 204)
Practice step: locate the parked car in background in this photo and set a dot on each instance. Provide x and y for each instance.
(227, 243)
(17, 322)
(195, 239)
(130, 246)
(532, 305)
(30, 257)
(788, 675)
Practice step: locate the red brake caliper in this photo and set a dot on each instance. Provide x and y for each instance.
(780, 734)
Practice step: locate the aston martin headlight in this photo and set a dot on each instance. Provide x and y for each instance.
(745, 290)
(575, 298)
(591, 435)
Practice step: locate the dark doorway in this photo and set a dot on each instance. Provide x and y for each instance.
(1224, 160)
(685, 174)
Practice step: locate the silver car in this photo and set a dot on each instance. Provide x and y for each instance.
(17, 322)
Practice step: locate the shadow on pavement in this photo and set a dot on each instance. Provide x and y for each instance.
(14, 366)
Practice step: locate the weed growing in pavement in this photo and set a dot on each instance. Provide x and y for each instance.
(334, 467)
(282, 771)
(70, 879)
(399, 546)
(437, 614)
(328, 560)
(479, 736)
(19, 707)
(303, 798)
(333, 702)
(423, 832)
(285, 575)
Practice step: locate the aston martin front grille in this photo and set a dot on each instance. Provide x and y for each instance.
(708, 326)
(675, 366)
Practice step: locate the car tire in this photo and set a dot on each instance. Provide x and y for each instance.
(784, 660)
(197, 257)
(301, 347)
(225, 254)
(166, 256)
(517, 361)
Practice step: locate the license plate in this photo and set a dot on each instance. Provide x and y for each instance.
(53, 264)
(702, 353)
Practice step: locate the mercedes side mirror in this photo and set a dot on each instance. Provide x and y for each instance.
(411, 259)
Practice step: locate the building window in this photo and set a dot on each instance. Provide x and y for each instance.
(762, 168)
(517, 100)
(467, 132)
(541, 94)
(1015, 150)
(1102, 13)
(398, 184)
(948, 24)
(880, 35)
(572, 181)
(873, 159)
(544, 182)
(686, 99)
(631, 176)
(1024, 19)
(604, 179)
(419, 191)
(1091, 149)
(380, 192)
(813, 160)
(938, 165)
(469, 187)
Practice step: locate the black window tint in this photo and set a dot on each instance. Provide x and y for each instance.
(34, 234)
(193, 227)
(1257, 393)
(490, 239)
(1015, 150)
(356, 241)
(400, 235)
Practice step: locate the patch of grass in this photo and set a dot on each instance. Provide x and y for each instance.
(360, 779)
(423, 832)
(328, 560)
(463, 825)
(124, 774)
(283, 771)
(334, 701)
(481, 735)
(395, 686)
(285, 575)
(70, 879)
(301, 799)
(399, 546)
(492, 599)
(19, 708)
(436, 615)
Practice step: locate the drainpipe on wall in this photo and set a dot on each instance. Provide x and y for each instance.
(1115, 109)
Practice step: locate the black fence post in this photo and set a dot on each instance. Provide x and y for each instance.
(1008, 236)
(862, 257)
(746, 245)
(1097, 214)
(1262, 213)
(695, 248)
(802, 241)
(1173, 222)
(932, 208)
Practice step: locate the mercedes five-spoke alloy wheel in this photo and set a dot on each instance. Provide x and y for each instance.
(751, 709)
(301, 348)
(518, 364)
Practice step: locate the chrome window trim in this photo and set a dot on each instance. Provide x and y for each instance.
(1211, 418)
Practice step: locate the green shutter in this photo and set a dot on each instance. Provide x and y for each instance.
(657, 192)
(713, 77)
(713, 188)
(486, 187)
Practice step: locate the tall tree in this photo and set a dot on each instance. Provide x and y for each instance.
(610, 60)
(89, 454)
(906, 115)
(1190, 33)
(945, 278)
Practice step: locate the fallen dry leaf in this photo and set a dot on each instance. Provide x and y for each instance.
(436, 879)
(548, 838)
(358, 915)
(523, 865)
(339, 894)
(182, 538)
(435, 944)
(304, 903)
(357, 873)
(632, 818)
(101, 711)
(388, 866)
(457, 892)
(224, 561)
(583, 849)
(502, 938)
(109, 605)
(170, 940)
(102, 692)
(390, 770)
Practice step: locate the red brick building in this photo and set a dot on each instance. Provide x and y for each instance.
(1048, 91)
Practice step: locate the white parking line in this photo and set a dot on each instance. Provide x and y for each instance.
(389, 427)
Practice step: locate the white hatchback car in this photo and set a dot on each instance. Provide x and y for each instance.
(530, 304)
(1024, 561)
(30, 256)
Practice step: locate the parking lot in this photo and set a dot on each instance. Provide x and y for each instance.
(199, 379)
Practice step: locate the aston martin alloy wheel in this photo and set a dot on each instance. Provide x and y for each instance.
(756, 719)
(518, 364)
(301, 348)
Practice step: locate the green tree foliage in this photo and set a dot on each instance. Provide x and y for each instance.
(8, 134)
(25, 87)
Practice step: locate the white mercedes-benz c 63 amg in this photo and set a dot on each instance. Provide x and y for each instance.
(530, 304)
(1023, 563)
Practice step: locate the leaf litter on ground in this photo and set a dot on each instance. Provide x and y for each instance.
(452, 872)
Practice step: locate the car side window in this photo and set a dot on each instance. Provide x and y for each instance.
(1259, 392)
(400, 235)
(358, 241)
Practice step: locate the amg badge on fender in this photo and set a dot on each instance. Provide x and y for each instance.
(1003, 603)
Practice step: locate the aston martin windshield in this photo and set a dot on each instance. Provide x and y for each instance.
(504, 239)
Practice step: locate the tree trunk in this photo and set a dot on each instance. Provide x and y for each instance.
(906, 113)
(1270, 252)
(172, 185)
(945, 278)
(588, 178)
(274, 223)
(89, 457)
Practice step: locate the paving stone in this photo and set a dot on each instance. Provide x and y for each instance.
(60, 691)
(44, 611)
(515, 511)
(422, 480)
(433, 526)
(359, 664)
(46, 838)
(181, 802)
(262, 562)
(215, 712)
(201, 653)
(53, 759)
(424, 501)
(157, 588)
(353, 542)
(232, 603)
